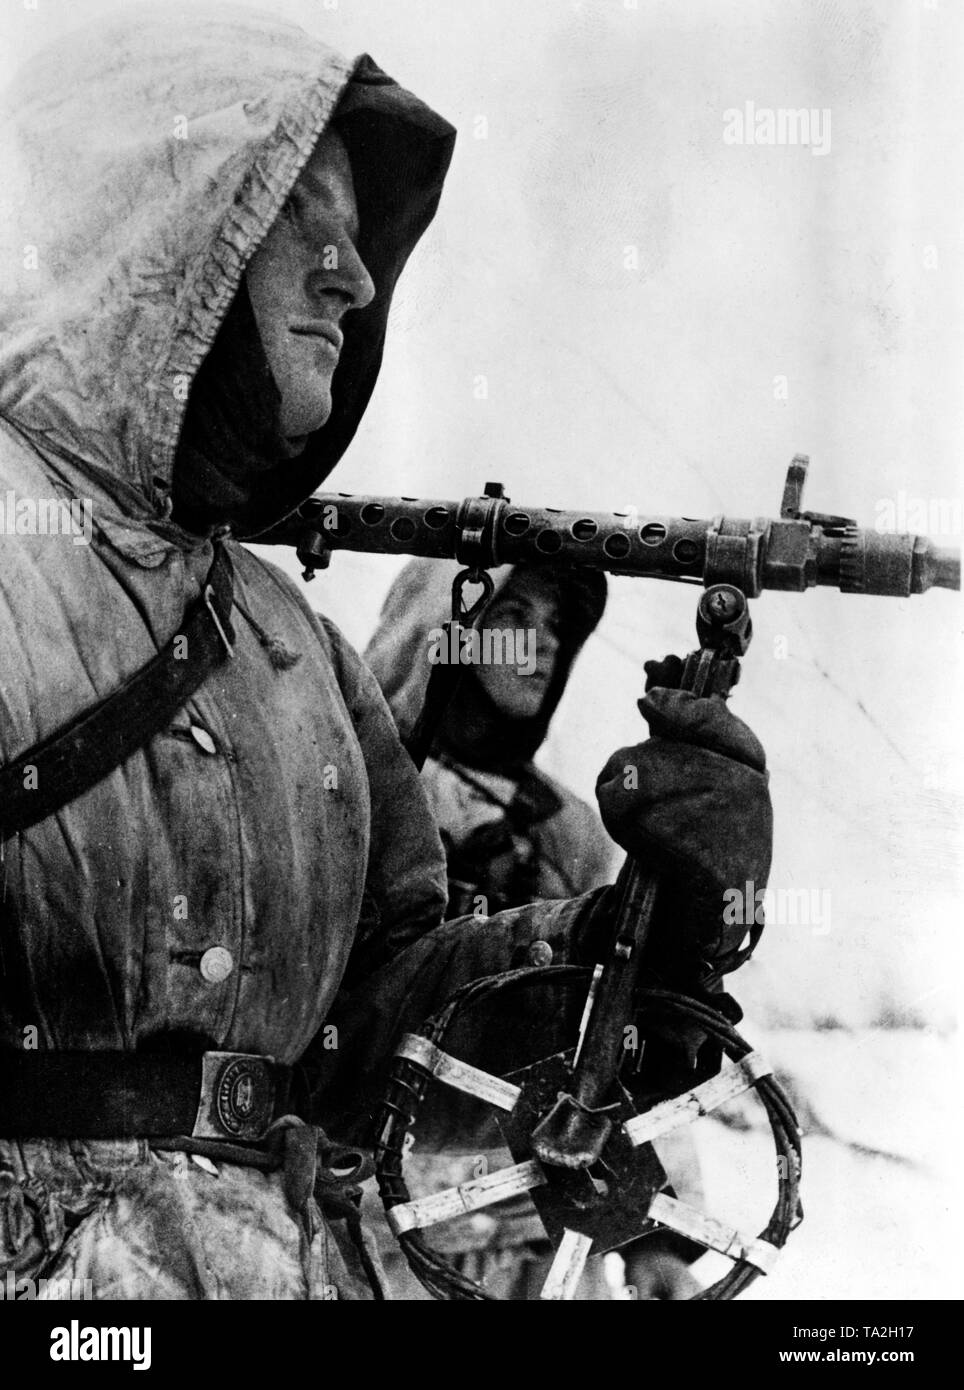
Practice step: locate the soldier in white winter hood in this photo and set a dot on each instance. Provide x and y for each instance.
(210, 951)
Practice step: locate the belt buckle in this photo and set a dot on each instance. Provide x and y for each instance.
(237, 1096)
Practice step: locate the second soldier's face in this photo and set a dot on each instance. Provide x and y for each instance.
(306, 275)
(526, 609)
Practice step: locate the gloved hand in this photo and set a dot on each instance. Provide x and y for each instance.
(692, 804)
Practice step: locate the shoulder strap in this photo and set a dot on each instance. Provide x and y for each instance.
(85, 750)
(535, 800)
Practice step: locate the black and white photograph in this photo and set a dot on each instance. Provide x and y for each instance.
(480, 742)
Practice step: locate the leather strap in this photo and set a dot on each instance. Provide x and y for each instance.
(88, 748)
(133, 1095)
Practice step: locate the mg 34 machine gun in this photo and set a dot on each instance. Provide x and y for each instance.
(583, 1148)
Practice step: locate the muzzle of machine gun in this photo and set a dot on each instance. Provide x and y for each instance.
(795, 552)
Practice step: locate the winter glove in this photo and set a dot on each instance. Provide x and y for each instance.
(692, 804)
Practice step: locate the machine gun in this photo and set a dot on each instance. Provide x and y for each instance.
(794, 552)
(583, 1152)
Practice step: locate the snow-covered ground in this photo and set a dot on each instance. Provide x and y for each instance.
(881, 1200)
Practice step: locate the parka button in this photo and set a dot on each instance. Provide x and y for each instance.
(540, 953)
(203, 739)
(216, 964)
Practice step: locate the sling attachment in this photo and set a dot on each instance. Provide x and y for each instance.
(315, 1166)
(312, 1166)
(90, 746)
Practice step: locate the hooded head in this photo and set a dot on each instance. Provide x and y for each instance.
(482, 727)
(146, 160)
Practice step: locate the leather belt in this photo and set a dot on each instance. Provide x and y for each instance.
(219, 1104)
(228, 1096)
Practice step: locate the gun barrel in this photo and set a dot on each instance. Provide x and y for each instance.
(935, 566)
(793, 552)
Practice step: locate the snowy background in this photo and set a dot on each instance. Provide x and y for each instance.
(663, 319)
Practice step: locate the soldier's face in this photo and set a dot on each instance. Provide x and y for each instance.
(523, 607)
(302, 280)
